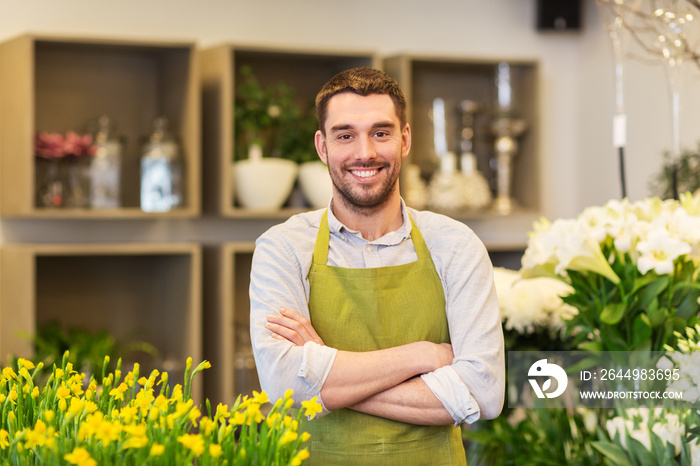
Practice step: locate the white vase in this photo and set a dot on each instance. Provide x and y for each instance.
(265, 183)
(315, 183)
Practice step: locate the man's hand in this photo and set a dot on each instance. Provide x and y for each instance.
(292, 326)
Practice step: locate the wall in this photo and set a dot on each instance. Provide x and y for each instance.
(579, 164)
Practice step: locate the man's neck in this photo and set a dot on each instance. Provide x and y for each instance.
(371, 224)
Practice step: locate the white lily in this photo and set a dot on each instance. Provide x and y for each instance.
(658, 252)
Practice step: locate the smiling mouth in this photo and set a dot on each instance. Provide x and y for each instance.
(365, 173)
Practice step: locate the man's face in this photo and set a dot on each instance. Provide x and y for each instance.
(363, 148)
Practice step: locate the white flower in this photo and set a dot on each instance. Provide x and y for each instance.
(527, 304)
(671, 431)
(658, 252)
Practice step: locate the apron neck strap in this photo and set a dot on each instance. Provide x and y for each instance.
(324, 234)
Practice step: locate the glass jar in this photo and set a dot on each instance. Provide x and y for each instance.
(105, 166)
(161, 170)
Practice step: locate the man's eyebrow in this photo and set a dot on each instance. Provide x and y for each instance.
(347, 126)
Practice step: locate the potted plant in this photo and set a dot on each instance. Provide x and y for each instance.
(276, 134)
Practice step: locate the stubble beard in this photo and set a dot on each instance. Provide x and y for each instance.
(364, 200)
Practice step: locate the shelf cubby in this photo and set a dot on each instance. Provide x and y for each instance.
(58, 84)
(227, 315)
(305, 70)
(141, 292)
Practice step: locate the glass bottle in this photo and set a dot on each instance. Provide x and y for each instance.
(105, 166)
(161, 170)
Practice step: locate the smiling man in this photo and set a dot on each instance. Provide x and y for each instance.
(386, 314)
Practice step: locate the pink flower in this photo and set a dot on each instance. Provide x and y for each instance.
(78, 145)
(50, 145)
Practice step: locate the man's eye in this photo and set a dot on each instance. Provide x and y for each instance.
(381, 134)
(344, 136)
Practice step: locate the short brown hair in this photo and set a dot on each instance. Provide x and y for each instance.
(362, 81)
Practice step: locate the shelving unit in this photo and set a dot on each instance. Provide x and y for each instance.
(304, 70)
(146, 292)
(227, 279)
(424, 78)
(57, 84)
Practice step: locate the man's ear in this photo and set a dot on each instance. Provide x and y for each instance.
(320, 142)
(405, 140)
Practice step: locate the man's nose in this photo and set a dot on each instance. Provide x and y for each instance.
(366, 149)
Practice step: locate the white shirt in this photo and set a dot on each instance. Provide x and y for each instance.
(470, 388)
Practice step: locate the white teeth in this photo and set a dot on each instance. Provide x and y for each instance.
(364, 173)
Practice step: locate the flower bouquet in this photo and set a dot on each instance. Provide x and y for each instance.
(61, 171)
(633, 269)
(138, 420)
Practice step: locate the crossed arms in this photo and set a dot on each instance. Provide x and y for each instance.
(383, 382)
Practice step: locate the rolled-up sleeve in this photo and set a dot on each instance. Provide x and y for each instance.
(473, 387)
(278, 280)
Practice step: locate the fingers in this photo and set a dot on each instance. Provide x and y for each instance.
(292, 326)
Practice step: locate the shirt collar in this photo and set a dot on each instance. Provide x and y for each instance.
(392, 238)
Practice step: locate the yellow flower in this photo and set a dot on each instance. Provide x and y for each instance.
(25, 364)
(193, 415)
(221, 411)
(81, 457)
(49, 416)
(163, 378)
(13, 396)
(238, 418)
(2, 397)
(35, 393)
(58, 372)
(9, 373)
(288, 437)
(260, 398)
(118, 392)
(136, 441)
(36, 437)
(177, 393)
(305, 436)
(312, 406)
(128, 413)
(25, 375)
(157, 449)
(76, 407)
(288, 394)
(299, 457)
(194, 442)
(90, 407)
(253, 414)
(214, 450)
(271, 419)
(4, 443)
(108, 432)
(207, 426)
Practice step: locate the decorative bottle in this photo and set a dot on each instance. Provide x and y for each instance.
(105, 166)
(161, 170)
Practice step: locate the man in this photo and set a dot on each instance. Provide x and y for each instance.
(387, 314)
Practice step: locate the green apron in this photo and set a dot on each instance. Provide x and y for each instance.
(371, 309)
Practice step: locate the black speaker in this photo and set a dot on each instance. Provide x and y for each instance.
(558, 15)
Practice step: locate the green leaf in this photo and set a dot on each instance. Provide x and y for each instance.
(613, 313)
(591, 346)
(653, 290)
(639, 452)
(641, 330)
(613, 452)
(613, 340)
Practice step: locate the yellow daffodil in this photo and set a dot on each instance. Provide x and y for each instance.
(238, 419)
(221, 411)
(194, 442)
(288, 437)
(4, 443)
(9, 373)
(215, 450)
(35, 393)
(305, 436)
(23, 363)
(49, 416)
(299, 457)
(75, 408)
(118, 392)
(288, 394)
(260, 398)
(157, 449)
(312, 407)
(80, 457)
